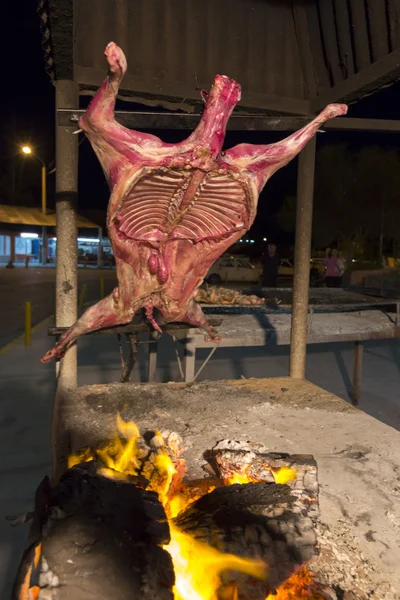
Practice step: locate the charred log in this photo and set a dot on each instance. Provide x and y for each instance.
(101, 538)
(234, 519)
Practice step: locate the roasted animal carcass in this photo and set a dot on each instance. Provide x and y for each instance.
(174, 208)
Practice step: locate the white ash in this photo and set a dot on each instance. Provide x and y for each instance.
(341, 564)
(248, 446)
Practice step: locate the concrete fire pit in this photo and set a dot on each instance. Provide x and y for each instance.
(358, 457)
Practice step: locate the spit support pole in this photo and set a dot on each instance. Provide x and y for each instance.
(302, 256)
(66, 266)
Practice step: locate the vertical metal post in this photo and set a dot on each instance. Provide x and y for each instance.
(357, 372)
(302, 255)
(45, 244)
(189, 360)
(82, 296)
(44, 190)
(44, 211)
(28, 323)
(66, 262)
(152, 365)
(11, 262)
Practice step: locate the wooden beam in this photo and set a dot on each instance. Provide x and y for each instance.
(237, 122)
(372, 125)
(133, 88)
(188, 122)
(380, 73)
(133, 328)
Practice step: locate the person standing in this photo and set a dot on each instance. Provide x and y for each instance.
(334, 268)
(271, 267)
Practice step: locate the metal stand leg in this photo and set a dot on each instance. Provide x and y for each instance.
(152, 367)
(357, 372)
(189, 361)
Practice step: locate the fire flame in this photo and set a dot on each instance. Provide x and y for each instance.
(281, 475)
(119, 455)
(298, 586)
(197, 566)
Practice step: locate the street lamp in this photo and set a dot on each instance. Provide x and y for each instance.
(28, 151)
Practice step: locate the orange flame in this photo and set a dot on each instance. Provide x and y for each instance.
(120, 455)
(197, 566)
(298, 586)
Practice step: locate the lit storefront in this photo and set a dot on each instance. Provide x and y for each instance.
(26, 238)
(88, 251)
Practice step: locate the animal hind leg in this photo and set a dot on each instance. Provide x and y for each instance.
(105, 313)
(195, 316)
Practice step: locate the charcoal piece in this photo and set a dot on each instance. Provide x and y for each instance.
(102, 539)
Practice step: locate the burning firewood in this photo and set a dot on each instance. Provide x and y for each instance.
(174, 209)
(238, 462)
(123, 522)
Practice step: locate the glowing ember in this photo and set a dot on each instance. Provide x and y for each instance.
(281, 475)
(197, 566)
(298, 586)
(240, 478)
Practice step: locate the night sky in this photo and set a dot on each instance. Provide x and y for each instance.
(27, 116)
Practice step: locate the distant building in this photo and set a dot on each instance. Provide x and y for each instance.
(26, 236)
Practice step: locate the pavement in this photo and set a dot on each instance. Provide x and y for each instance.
(37, 285)
(28, 387)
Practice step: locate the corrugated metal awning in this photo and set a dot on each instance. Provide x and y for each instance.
(291, 57)
(24, 215)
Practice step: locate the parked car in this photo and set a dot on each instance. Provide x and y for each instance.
(317, 270)
(233, 268)
(239, 268)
